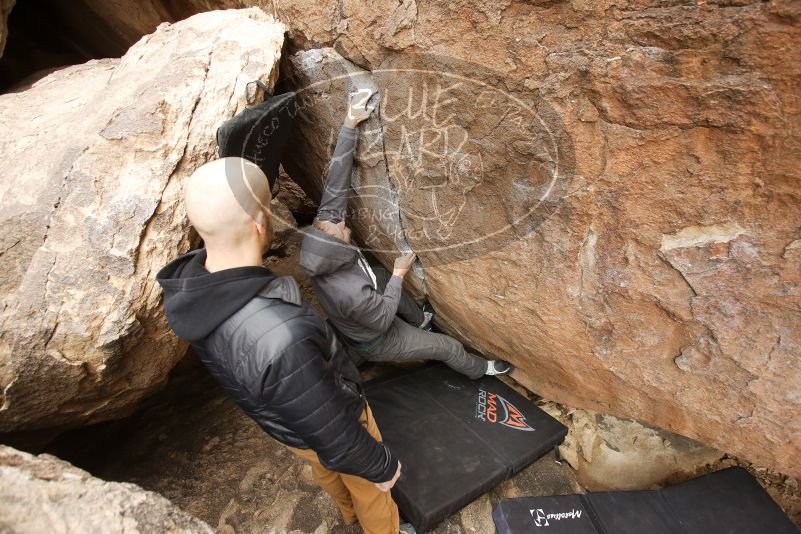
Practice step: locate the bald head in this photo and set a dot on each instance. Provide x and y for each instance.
(228, 203)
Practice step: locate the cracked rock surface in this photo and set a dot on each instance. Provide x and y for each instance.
(96, 155)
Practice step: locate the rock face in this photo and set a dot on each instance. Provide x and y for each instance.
(284, 224)
(90, 205)
(42, 494)
(615, 210)
(128, 23)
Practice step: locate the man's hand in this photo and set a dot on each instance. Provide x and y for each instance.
(403, 264)
(358, 110)
(386, 486)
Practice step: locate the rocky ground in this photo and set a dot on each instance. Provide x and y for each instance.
(196, 448)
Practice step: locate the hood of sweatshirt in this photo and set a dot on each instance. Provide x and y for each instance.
(197, 302)
(322, 254)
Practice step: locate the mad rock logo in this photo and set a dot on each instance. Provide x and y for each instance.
(541, 519)
(492, 408)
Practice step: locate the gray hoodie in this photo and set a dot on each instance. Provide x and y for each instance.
(346, 292)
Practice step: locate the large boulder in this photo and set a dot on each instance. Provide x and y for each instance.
(95, 157)
(42, 494)
(607, 197)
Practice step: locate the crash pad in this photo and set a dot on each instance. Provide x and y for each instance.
(725, 502)
(455, 437)
(259, 133)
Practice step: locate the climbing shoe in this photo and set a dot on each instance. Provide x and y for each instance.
(428, 313)
(498, 367)
(426, 324)
(407, 528)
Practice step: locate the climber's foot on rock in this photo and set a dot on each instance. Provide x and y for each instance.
(428, 313)
(407, 528)
(498, 367)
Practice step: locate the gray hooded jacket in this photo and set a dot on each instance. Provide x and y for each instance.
(357, 310)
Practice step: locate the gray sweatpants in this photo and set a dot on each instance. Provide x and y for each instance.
(406, 342)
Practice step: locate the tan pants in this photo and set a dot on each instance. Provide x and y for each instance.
(357, 498)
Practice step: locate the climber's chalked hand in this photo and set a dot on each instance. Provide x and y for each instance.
(358, 108)
(403, 264)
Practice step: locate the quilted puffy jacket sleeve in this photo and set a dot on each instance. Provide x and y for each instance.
(299, 386)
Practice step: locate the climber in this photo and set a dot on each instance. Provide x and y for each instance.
(365, 303)
(270, 351)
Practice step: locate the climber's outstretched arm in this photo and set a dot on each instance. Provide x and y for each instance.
(334, 203)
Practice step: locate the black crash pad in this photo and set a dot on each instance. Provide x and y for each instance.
(728, 501)
(259, 134)
(456, 438)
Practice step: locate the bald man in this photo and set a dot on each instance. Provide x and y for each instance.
(270, 351)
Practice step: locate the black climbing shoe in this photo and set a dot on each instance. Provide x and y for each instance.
(498, 367)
